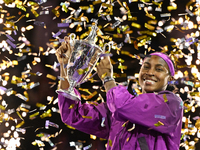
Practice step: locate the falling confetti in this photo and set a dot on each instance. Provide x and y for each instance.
(29, 69)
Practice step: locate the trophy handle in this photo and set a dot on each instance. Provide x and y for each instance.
(72, 38)
(103, 54)
(107, 44)
(100, 55)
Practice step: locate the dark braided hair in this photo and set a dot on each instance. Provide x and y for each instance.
(172, 88)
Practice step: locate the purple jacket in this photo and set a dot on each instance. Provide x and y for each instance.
(146, 122)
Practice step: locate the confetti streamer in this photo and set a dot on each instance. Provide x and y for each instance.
(130, 35)
(158, 124)
(63, 25)
(38, 23)
(11, 44)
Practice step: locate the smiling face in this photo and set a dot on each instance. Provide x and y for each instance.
(154, 75)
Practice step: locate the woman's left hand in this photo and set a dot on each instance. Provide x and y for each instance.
(105, 68)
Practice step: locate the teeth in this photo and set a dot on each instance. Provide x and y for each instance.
(149, 81)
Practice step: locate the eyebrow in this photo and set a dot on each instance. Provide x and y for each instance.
(156, 64)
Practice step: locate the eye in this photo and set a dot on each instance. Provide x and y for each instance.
(145, 67)
(159, 69)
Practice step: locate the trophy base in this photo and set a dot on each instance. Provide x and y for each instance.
(68, 94)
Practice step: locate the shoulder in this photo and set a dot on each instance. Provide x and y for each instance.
(170, 95)
(172, 98)
(162, 94)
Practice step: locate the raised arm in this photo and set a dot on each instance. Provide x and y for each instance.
(88, 118)
(63, 54)
(105, 69)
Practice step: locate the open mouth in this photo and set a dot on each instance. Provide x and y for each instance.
(149, 81)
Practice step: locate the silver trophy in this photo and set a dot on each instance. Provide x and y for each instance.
(83, 58)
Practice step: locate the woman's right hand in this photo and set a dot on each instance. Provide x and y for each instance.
(64, 51)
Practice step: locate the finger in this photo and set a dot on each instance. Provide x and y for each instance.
(99, 70)
(59, 53)
(66, 38)
(59, 56)
(63, 47)
(99, 66)
(107, 58)
(105, 61)
(101, 62)
(69, 48)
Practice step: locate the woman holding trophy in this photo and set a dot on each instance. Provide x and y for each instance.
(149, 121)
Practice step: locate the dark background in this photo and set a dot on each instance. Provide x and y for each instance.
(40, 36)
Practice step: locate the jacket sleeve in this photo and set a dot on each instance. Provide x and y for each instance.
(88, 118)
(161, 112)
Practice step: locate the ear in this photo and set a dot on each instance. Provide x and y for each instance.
(170, 78)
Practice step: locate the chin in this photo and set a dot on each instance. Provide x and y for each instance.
(151, 90)
(148, 91)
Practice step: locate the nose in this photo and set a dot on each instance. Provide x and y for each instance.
(150, 72)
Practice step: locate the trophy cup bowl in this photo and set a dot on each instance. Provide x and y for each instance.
(80, 64)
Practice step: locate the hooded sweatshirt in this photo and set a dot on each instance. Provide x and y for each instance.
(150, 121)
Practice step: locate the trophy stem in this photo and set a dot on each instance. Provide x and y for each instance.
(72, 84)
(69, 93)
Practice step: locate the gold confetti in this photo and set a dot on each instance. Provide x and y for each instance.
(71, 106)
(127, 27)
(124, 124)
(87, 117)
(103, 75)
(56, 11)
(93, 103)
(82, 71)
(120, 66)
(110, 142)
(2, 107)
(158, 124)
(165, 98)
(150, 27)
(197, 124)
(21, 7)
(40, 105)
(127, 139)
(89, 96)
(46, 114)
(19, 115)
(93, 137)
(150, 16)
(154, 22)
(20, 124)
(51, 77)
(136, 25)
(33, 116)
(171, 7)
(70, 127)
(96, 2)
(8, 1)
